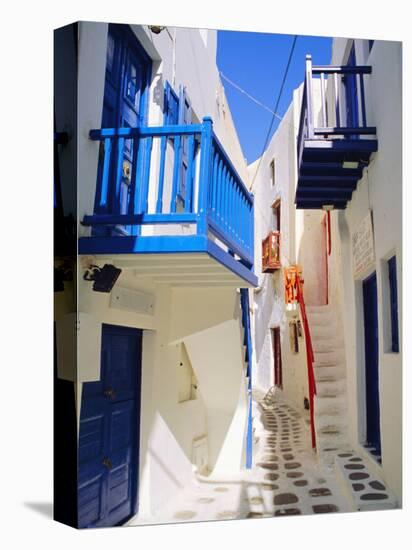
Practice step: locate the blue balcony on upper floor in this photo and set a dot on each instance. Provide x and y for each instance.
(170, 201)
(333, 153)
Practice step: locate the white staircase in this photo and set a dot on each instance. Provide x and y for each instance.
(330, 376)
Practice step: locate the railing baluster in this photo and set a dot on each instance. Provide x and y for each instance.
(213, 199)
(219, 191)
(119, 172)
(106, 171)
(242, 218)
(225, 197)
(176, 172)
(146, 174)
(251, 228)
(322, 90)
(204, 177)
(133, 183)
(337, 103)
(237, 211)
(363, 107)
(230, 213)
(138, 181)
(189, 173)
(309, 95)
(159, 202)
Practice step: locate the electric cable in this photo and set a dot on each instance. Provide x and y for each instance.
(275, 109)
(249, 95)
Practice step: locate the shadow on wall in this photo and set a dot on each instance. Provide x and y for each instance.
(312, 257)
(269, 303)
(216, 356)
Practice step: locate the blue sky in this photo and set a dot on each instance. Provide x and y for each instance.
(256, 62)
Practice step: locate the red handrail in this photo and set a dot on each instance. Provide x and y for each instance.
(309, 355)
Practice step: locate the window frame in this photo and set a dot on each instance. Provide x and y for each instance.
(393, 303)
(272, 170)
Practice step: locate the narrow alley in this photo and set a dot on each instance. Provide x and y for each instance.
(286, 479)
(227, 326)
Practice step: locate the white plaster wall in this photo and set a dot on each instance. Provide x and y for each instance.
(380, 190)
(269, 304)
(208, 322)
(180, 56)
(216, 356)
(92, 42)
(168, 428)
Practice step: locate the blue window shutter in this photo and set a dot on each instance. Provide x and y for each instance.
(393, 292)
(171, 106)
(185, 117)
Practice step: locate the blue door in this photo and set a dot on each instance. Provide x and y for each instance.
(127, 79)
(109, 432)
(370, 311)
(351, 94)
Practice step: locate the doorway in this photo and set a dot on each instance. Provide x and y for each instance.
(125, 104)
(109, 432)
(277, 357)
(370, 314)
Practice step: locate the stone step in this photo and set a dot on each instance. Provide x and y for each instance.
(322, 332)
(368, 492)
(319, 309)
(326, 344)
(330, 388)
(334, 405)
(325, 373)
(334, 357)
(326, 423)
(327, 454)
(321, 318)
(337, 440)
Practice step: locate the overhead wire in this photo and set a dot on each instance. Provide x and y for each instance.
(249, 95)
(275, 109)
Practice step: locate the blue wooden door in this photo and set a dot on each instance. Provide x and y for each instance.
(370, 309)
(109, 432)
(125, 105)
(351, 94)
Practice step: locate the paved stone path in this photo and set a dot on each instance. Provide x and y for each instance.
(286, 479)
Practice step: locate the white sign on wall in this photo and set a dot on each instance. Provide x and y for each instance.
(363, 248)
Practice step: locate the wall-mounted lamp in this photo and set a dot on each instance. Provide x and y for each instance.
(156, 29)
(104, 277)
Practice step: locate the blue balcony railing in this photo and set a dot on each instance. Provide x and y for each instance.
(216, 201)
(334, 144)
(345, 115)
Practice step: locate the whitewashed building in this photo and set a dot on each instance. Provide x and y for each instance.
(151, 322)
(328, 194)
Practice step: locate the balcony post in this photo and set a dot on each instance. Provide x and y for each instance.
(309, 95)
(204, 177)
(252, 231)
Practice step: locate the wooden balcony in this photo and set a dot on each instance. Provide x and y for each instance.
(333, 154)
(271, 252)
(192, 220)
